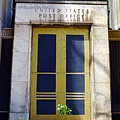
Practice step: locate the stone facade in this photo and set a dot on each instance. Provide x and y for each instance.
(99, 61)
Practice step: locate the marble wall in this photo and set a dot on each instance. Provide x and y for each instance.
(99, 64)
(20, 89)
(100, 74)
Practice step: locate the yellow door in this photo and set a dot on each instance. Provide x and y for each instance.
(60, 73)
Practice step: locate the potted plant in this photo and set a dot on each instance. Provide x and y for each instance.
(64, 109)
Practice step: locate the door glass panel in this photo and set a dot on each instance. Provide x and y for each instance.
(75, 77)
(46, 83)
(46, 107)
(74, 83)
(77, 106)
(75, 53)
(46, 53)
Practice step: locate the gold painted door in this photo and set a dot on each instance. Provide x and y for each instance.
(60, 73)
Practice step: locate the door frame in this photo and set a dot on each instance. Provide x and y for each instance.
(67, 30)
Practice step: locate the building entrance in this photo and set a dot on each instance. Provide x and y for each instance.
(60, 73)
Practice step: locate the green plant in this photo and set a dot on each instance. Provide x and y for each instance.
(64, 109)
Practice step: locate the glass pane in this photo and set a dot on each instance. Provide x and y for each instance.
(4, 116)
(46, 53)
(46, 83)
(75, 83)
(75, 53)
(46, 107)
(77, 106)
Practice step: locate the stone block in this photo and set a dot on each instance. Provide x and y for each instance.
(20, 67)
(102, 98)
(101, 68)
(100, 39)
(20, 97)
(22, 38)
(19, 116)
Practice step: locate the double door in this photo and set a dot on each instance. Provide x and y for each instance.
(60, 73)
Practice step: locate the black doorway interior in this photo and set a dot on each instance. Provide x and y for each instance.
(115, 78)
(5, 78)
